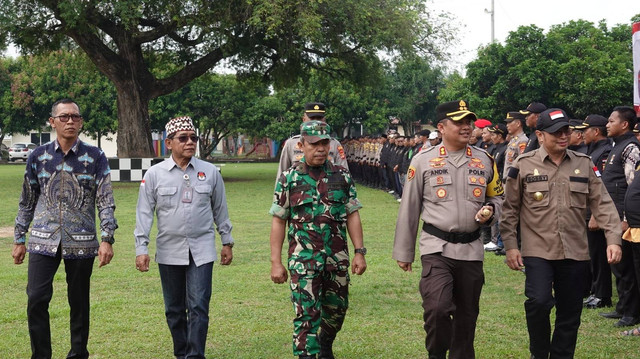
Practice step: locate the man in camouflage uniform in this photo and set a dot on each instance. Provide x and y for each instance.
(292, 153)
(318, 199)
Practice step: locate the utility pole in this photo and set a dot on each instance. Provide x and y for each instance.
(493, 20)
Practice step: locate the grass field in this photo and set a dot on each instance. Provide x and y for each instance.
(251, 316)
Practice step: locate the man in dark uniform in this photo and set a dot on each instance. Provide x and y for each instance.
(576, 139)
(618, 174)
(594, 129)
(454, 188)
(548, 191)
(632, 234)
(499, 146)
(532, 114)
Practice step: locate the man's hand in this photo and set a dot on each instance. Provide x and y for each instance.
(226, 255)
(484, 214)
(18, 253)
(514, 259)
(406, 266)
(593, 225)
(142, 262)
(614, 253)
(105, 253)
(278, 273)
(359, 264)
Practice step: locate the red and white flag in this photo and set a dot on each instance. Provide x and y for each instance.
(555, 115)
(636, 67)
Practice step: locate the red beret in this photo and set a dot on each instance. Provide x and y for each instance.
(482, 123)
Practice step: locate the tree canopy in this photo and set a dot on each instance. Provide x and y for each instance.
(579, 66)
(279, 40)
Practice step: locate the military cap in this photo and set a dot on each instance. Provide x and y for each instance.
(514, 115)
(593, 121)
(455, 110)
(499, 128)
(433, 135)
(534, 107)
(551, 120)
(482, 123)
(314, 109)
(314, 131)
(575, 124)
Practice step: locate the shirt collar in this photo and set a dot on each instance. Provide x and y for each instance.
(74, 147)
(542, 152)
(169, 163)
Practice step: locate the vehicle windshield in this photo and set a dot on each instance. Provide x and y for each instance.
(19, 145)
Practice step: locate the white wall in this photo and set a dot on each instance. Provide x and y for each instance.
(108, 144)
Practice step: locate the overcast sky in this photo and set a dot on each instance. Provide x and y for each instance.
(475, 29)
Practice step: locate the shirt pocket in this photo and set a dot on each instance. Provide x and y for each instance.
(441, 187)
(301, 206)
(537, 194)
(336, 201)
(476, 188)
(202, 194)
(579, 188)
(167, 197)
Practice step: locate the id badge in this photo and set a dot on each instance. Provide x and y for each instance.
(187, 194)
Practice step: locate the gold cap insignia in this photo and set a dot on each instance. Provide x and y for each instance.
(463, 105)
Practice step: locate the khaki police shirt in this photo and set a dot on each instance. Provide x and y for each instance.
(514, 149)
(292, 153)
(447, 194)
(550, 202)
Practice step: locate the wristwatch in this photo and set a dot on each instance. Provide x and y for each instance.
(109, 240)
(362, 251)
(230, 244)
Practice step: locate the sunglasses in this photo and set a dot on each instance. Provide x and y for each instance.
(185, 138)
(66, 118)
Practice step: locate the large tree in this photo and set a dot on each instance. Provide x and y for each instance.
(277, 39)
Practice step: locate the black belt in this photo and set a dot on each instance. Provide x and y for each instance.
(451, 237)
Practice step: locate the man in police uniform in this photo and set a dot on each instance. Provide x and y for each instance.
(518, 142)
(576, 139)
(532, 113)
(454, 188)
(319, 200)
(548, 191)
(292, 152)
(594, 130)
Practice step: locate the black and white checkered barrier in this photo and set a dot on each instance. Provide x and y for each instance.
(130, 169)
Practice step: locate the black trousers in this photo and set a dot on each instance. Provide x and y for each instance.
(554, 282)
(626, 284)
(600, 268)
(41, 271)
(450, 292)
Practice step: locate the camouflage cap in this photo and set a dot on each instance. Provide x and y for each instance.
(314, 131)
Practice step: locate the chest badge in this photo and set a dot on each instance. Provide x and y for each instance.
(535, 172)
(477, 192)
(201, 176)
(441, 193)
(577, 171)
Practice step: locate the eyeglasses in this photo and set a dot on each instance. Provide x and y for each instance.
(66, 118)
(185, 138)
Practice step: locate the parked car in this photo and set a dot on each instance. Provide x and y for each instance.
(21, 150)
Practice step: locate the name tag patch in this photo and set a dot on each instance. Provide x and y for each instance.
(539, 178)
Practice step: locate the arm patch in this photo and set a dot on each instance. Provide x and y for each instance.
(513, 172)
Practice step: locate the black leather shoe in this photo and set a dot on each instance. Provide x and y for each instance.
(500, 252)
(307, 356)
(598, 303)
(627, 321)
(611, 315)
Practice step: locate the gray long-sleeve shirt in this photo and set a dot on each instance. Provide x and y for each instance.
(184, 224)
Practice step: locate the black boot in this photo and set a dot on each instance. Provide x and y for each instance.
(307, 356)
(437, 355)
(326, 346)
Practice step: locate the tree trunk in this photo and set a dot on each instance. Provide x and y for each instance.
(134, 127)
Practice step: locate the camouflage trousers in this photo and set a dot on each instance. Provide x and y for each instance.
(320, 301)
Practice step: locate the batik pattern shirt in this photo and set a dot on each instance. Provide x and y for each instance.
(59, 196)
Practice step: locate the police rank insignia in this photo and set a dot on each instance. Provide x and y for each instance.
(437, 162)
(441, 193)
(202, 176)
(469, 151)
(522, 146)
(443, 151)
(411, 173)
(476, 162)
